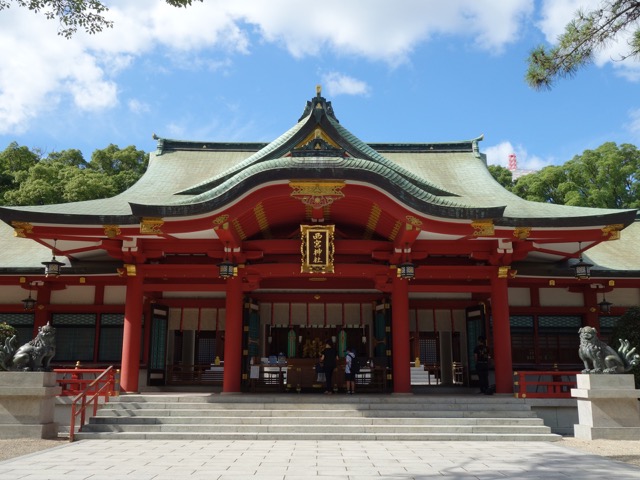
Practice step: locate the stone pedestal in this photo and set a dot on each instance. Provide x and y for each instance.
(607, 407)
(27, 403)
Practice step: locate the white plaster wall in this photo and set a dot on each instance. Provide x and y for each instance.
(623, 297)
(519, 297)
(440, 296)
(115, 294)
(425, 320)
(74, 295)
(14, 294)
(208, 318)
(443, 320)
(314, 316)
(193, 294)
(560, 297)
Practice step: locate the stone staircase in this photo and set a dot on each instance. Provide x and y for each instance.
(316, 417)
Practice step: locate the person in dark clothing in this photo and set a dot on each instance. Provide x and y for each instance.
(329, 359)
(481, 356)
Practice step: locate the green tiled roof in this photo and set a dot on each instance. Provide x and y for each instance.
(445, 179)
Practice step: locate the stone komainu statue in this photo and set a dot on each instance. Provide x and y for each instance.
(35, 355)
(598, 357)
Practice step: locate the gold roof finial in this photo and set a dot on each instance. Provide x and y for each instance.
(319, 90)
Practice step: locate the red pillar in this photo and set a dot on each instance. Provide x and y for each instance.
(501, 335)
(131, 335)
(592, 319)
(400, 336)
(41, 315)
(232, 377)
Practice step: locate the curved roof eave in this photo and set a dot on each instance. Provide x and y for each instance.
(344, 169)
(10, 215)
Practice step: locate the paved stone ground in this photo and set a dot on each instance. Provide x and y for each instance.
(303, 460)
(623, 451)
(627, 451)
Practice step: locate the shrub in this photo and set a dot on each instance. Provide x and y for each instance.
(628, 328)
(6, 331)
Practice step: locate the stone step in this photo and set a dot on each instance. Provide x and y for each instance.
(317, 417)
(442, 437)
(332, 403)
(303, 399)
(311, 421)
(319, 429)
(328, 413)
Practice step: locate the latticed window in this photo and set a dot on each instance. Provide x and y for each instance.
(111, 330)
(206, 348)
(75, 336)
(522, 339)
(22, 322)
(558, 338)
(429, 349)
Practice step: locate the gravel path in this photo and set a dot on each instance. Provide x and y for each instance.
(627, 451)
(621, 450)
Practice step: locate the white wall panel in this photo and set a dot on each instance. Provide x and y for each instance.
(519, 297)
(74, 295)
(115, 295)
(560, 297)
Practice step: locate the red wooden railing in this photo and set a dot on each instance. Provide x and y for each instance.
(544, 384)
(74, 380)
(88, 391)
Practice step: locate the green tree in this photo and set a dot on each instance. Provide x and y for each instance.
(587, 33)
(606, 177)
(502, 175)
(65, 176)
(6, 333)
(14, 159)
(546, 185)
(89, 15)
(88, 185)
(124, 166)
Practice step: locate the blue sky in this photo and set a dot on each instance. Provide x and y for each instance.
(242, 70)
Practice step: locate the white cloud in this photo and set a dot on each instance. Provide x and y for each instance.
(41, 70)
(634, 123)
(499, 155)
(340, 84)
(138, 107)
(380, 29)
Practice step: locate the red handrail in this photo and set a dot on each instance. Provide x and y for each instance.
(75, 380)
(108, 381)
(544, 384)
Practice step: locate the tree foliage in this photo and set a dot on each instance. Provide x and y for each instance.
(607, 177)
(502, 175)
(589, 32)
(88, 15)
(31, 179)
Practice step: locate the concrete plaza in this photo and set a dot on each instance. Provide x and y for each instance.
(289, 460)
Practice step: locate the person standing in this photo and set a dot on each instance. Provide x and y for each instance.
(329, 359)
(349, 374)
(481, 356)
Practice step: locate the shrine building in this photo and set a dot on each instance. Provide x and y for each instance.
(226, 261)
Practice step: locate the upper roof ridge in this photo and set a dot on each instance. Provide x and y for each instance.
(319, 106)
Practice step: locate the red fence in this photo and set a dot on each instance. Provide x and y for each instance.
(544, 384)
(75, 380)
(87, 386)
